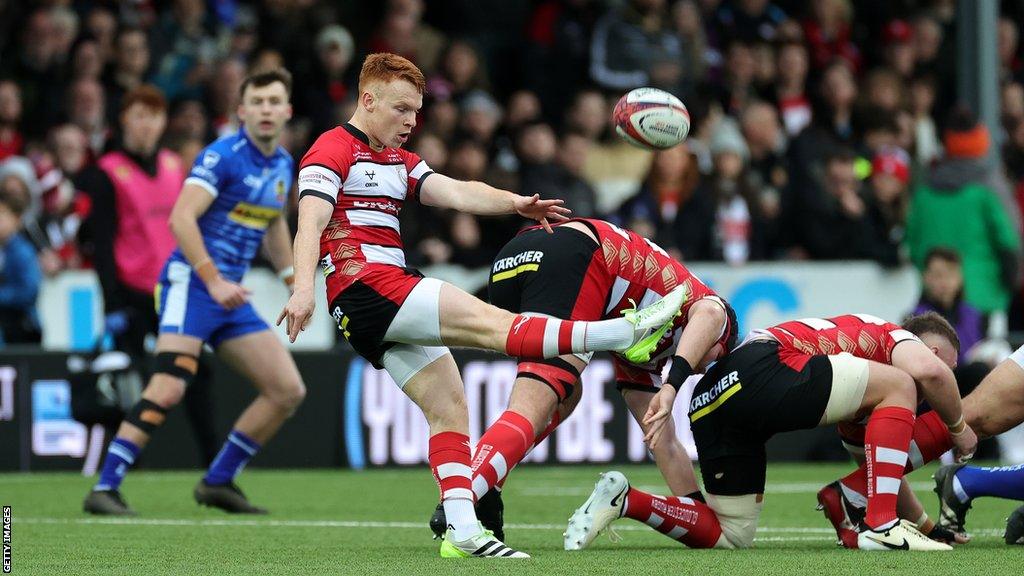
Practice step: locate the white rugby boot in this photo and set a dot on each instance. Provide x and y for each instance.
(605, 505)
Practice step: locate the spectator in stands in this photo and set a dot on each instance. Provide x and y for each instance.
(86, 60)
(927, 34)
(829, 33)
(131, 64)
(791, 88)
(737, 87)
(87, 110)
(884, 89)
(956, 205)
(689, 29)
(64, 206)
(222, 95)
(459, 73)
(101, 24)
(926, 135)
(665, 192)
(11, 138)
(331, 80)
(552, 168)
(833, 222)
(36, 69)
(18, 174)
(767, 174)
(943, 292)
(749, 20)
(403, 32)
(20, 276)
(633, 46)
(183, 50)
(900, 50)
(480, 118)
(1007, 43)
(887, 205)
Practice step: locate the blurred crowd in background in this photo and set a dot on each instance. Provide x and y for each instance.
(821, 129)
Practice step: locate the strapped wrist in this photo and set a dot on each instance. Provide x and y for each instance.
(206, 270)
(679, 372)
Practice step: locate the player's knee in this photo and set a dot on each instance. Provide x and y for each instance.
(165, 390)
(903, 390)
(290, 395)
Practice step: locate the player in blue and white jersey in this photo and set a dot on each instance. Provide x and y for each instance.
(231, 204)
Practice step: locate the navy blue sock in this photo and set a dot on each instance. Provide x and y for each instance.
(121, 455)
(235, 454)
(1003, 482)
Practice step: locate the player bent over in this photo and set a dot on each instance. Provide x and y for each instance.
(994, 407)
(588, 270)
(778, 381)
(353, 182)
(232, 201)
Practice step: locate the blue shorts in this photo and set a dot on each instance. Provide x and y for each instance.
(186, 308)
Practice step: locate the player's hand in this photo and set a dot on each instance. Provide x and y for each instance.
(964, 444)
(298, 312)
(534, 208)
(658, 413)
(227, 293)
(942, 534)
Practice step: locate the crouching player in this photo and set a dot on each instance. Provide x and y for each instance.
(795, 375)
(994, 407)
(589, 270)
(232, 201)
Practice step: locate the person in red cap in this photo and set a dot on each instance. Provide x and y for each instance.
(900, 54)
(887, 204)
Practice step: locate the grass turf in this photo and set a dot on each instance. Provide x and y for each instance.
(374, 522)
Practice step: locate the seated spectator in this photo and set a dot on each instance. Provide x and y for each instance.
(791, 88)
(900, 51)
(768, 175)
(749, 20)
(403, 32)
(459, 73)
(887, 206)
(667, 189)
(20, 276)
(331, 78)
(11, 139)
(926, 136)
(833, 222)
(942, 291)
(829, 33)
(957, 205)
(633, 46)
(552, 169)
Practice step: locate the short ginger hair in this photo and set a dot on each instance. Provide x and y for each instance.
(385, 67)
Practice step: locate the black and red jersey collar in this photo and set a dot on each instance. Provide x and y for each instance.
(357, 133)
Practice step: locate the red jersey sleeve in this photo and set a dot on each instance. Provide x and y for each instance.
(324, 168)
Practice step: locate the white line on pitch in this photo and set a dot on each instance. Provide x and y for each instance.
(825, 533)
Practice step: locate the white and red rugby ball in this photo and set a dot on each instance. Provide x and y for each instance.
(651, 118)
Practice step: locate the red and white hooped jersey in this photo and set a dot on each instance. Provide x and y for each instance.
(630, 267)
(861, 335)
(368, 189)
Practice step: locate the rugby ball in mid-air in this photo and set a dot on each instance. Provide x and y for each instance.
(651, 118)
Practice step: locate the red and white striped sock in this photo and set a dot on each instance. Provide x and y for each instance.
(886, 442)
(682, 519)
(931, 439)
(501, 447)
(532, 337)
(555, 421)
(449, 461)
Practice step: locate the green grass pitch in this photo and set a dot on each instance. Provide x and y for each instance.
(374, 522)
